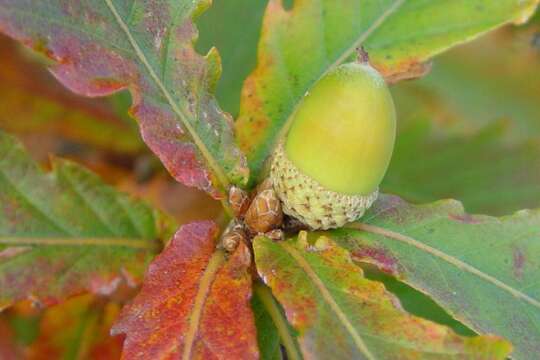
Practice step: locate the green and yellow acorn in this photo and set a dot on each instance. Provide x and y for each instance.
(328, 169)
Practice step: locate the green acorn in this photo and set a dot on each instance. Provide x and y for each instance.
(328, 169)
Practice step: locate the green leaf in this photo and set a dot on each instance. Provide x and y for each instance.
(482, 270)
(472, 86)
(272, 326)
(341, 315)
(267, 334)
(300, 45)
(65, 232)
(233, 27)
(484, 171)
(103, 46)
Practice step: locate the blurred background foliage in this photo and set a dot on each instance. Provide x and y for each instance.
(469, 130)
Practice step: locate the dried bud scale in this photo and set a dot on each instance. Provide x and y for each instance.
(264, 213)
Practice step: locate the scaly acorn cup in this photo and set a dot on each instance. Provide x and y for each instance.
(328, 169)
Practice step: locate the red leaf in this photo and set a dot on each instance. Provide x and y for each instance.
(193, 303)
(101, 47)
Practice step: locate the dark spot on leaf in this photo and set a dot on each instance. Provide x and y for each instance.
(518, 262)
(377, 256)
(465, 218)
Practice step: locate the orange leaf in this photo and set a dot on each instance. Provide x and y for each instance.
(194, 302)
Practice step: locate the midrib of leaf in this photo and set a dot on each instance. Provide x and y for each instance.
(44, 214)
(79, 241)
(89, 205)
(178, 111)
(214, 264)
(361, 38)
(328, 299)
(447, 258)
(84, 335)
(265, 295)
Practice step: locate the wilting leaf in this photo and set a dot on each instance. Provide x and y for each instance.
(298, 46)
(65, 232)
(484, 171)
(194, 303)
(342, 315)
(101, 47)
(34, 102)
(483, 270)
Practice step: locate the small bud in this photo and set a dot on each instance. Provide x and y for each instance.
(231, 240)
(276, 235)
(239, 200)
(264, 213)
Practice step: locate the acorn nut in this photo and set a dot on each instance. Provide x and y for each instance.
(328, 169)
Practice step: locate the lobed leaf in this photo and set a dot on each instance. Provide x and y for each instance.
(65, 232)
(300, 45)
(101, 47)
(37, 103)
(482, 270)
(194, 303)
(342, 315)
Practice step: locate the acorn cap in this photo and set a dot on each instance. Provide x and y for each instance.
(308, 201)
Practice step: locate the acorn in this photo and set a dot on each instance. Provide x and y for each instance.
(328, 168)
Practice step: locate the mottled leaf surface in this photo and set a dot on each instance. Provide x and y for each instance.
(342, 315)
(34, 102)
(65, 231)
(194, 303)
(299, 45)
(483, 270)
(145, 46)
(484, 171)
